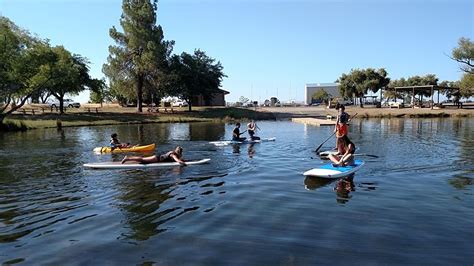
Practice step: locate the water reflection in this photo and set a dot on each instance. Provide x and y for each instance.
(141, 200)
(461, 182)
(206, 131)
(313, 183)
(249, 147)
(251, 150)
(148, 203)
(235, 148)
(343, 188)
(179, 131)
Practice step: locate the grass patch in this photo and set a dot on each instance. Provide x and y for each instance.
(13, 125)
(73, 119)
(232, 113)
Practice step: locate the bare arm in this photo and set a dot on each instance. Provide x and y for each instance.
(181, 162)
(346, 154)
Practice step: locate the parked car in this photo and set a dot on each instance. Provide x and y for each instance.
(179, 103)
(66, 103)
(392, 103)
(345, 101)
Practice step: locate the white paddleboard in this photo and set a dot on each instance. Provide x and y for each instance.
(135, 165)
(329, 171)
(327, 153)
(247, 141)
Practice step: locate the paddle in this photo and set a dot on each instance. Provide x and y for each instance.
(356, 154)
(319, 147)
(368, 155)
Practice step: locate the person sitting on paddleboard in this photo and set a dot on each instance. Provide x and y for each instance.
(251, 128)
(236, 133)
(175, 155)
(345, 155)
(115, 143)
(341, 123)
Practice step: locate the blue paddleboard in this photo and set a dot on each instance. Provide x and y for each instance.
(330, 171)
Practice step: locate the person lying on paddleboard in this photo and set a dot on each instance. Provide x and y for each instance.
(251, 128)
(341, 123)
(115, 143)
(175, 155)
(236, 133)
(345, 152)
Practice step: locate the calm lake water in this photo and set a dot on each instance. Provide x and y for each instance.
(414, 204)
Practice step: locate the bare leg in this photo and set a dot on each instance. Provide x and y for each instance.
(150, 159)
(347, 160)
(334, 158)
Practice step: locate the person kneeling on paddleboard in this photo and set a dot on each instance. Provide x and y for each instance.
(236, 133)
(175, 155)
(115, 143)
(251, 128)
(345, 154)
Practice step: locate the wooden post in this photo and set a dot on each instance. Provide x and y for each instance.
(438, 96)
(431, 97)
(413, 98)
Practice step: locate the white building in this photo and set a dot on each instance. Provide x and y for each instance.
(331, 88)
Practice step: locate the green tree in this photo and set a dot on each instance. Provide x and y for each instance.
(359, 81)
(466, 85)
(320, 94)
(69, 75)
(99, 91)
(429, 79)
(464, 54)
(196, 74)
(23, 66)
(139, 60)
(448, 84)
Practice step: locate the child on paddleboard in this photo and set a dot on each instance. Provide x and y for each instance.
(341, 123)
(175, 155)
(251, 128)
(236, 133)
(345, 154)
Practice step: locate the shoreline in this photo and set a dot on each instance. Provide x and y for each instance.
(367, 112)
(115, 115)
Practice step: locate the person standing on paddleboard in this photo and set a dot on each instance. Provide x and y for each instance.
(345, 154)
(341, 128)
(175, 155)
(236, 133)
(251, 128)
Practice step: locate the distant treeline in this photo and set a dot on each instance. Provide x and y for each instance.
(140, 67)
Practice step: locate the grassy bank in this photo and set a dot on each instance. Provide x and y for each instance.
(118, 115)
(368, 112)
(410, 112)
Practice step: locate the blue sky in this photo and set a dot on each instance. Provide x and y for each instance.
(272, 48)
